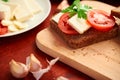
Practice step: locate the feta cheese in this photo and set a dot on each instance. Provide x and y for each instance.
(79, 24)
(4, 12)
(57, 17)
(20, 25)
(6, 22)
(12, 28)
(33, 6)
(13, 8)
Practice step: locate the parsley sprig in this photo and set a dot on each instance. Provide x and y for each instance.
(77, 8)
(5, 0)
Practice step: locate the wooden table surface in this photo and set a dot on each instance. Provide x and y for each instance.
(20, 46)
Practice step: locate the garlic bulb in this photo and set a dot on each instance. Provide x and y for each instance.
(18, 70)
(33, 63)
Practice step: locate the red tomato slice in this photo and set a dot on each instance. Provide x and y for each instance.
(3, 29)
(100, 20)
(64, 26)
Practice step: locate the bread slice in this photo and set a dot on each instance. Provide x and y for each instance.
(89, 37)
(116, 12)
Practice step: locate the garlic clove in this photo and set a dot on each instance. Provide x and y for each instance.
(38, 74)
(33, 63)
(18, 70)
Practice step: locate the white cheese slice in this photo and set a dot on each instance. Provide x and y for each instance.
(12, 28)
(33, 6)
(20, 25)
(57, 17)
(4, 12)
(13, 8)
(23, 12)
(6, 22)
(79, 24)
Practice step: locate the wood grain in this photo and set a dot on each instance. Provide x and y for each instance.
(100, 61)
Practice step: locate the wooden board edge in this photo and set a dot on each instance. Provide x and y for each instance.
(68, 61)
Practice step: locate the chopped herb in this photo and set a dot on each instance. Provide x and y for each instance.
(5, 0)
(77, 8)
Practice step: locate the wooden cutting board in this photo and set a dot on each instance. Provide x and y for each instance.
(100, 61)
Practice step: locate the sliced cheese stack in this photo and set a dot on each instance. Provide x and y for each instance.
(22, 10)
(22, 13)
(79, 24)
(15, 12)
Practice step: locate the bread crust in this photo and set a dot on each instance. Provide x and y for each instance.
(116, 12)
(89, 37)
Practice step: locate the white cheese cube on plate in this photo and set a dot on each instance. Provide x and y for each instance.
(13, 8)
(79, 24)
(12, 28)
(5, 12)
(20, 25)
(22, 12)
(33, 6)
(6, 22)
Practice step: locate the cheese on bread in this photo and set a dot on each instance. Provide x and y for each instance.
(79, 24)
(57, 17)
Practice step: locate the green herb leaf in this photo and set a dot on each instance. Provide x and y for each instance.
(5, 0)
(77, 8)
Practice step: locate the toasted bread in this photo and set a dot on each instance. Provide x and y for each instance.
(89, 37)
(116, 12)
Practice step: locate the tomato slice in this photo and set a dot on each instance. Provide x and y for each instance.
(64, 26)
(100, 20)
(3, 29)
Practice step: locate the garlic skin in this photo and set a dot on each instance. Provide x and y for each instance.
(33, 63)
(38, 74)
(18, 70)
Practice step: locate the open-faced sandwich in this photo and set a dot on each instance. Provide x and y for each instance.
(80, 25)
